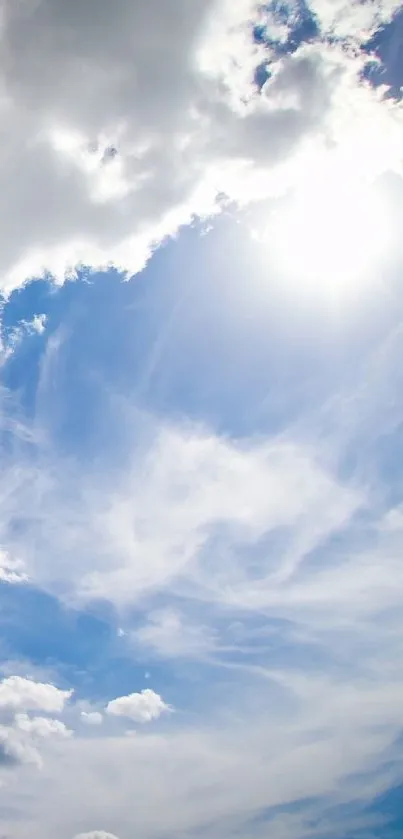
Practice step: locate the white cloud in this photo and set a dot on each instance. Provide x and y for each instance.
(11, 570)
(334, 697)
(16, 751)
(38, 323)
(219, 778)
(334, 686)
(140, 707)
(190, 512)
(92, 717)
(20, 738)
(12, 340)
(17, 693)
(353, 20)
(100, 168)
(21, 734)
(42, 727)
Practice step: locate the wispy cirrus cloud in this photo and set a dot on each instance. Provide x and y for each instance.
(178, 502)
(264, 571)
(259, 532)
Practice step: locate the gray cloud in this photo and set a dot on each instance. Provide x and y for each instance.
(169, 87)
(15, 751)
(96, 834)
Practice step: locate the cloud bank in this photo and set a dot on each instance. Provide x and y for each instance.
(154, 117)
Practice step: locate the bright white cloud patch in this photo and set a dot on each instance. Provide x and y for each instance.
(353, 19)
(140, 707)
(38, 324)
(17, 693)
(41, 726)
(21, 735)
(11, 570)
(11, 341)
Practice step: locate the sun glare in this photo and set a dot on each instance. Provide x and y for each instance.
(331, 235)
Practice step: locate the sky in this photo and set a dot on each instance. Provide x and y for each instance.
(201, 419)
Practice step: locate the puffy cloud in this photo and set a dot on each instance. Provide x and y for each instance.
(21, 734)
(23, 738)
(38, 324)
(118, 154)
(11, 570)
(91, 717)
(354, 21)
(17, 693)
(62, 143)
(140, 707)
(15, 750)
(42, 727)
(18, 741)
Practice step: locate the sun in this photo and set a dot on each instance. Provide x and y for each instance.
(331, 235)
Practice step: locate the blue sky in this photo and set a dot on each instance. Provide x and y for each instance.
(201, 490)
